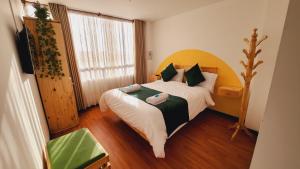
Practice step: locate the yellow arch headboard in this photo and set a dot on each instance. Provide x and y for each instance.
(228, 86)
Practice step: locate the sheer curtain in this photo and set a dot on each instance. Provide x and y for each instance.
(104, 52)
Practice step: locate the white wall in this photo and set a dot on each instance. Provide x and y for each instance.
(278, 141)
(275, 15)
(219, 29)
(23, 128)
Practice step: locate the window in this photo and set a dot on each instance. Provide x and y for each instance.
(102, 45)
(104, 51)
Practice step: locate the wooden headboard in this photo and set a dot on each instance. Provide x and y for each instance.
(203, 68)
(228, 86)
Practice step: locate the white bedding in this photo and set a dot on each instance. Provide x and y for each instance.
(149, 119)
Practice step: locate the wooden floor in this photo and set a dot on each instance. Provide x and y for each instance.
(203, 143)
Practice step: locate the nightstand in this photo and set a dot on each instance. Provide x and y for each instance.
(229, 91)
(153, 78)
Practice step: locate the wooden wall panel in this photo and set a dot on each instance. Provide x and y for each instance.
(57, 94)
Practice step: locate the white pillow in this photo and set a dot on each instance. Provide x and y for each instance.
(210, 80)
(179, 76)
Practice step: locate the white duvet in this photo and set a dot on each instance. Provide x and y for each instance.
(149, 119)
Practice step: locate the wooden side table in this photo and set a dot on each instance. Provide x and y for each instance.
(153, 78)
(228, 91)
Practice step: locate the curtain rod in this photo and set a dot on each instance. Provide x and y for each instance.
(100, 15)
(90, 13)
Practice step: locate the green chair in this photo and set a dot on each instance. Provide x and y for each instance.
(78, 149)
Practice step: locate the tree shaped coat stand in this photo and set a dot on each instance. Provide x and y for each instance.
(248, 75)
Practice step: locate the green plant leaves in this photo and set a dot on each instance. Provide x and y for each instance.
(47, 60)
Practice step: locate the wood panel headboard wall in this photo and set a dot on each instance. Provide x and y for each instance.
(228, 88)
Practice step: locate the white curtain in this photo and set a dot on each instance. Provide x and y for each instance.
(104, 52)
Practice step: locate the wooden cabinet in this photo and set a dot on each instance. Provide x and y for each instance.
(57, 94)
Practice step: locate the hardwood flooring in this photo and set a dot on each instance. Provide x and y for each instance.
(204, 143)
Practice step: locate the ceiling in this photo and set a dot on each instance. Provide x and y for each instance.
(149, 10)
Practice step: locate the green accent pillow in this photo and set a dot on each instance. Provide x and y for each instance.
(74, 150)
(194, 76)
(168, 73)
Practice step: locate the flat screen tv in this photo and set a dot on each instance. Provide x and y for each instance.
(25, 45)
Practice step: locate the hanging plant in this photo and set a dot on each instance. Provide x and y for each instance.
(48, 64)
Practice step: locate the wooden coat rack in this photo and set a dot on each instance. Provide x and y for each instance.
(248, 75)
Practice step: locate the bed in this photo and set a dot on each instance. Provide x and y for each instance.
(146, 119)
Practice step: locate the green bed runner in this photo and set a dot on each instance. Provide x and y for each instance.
(74, 150)
(174, 110)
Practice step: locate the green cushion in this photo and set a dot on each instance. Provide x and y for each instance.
(194, 76)
(168, 73)
(74, 150)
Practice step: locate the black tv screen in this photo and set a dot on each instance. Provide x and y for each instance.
(25, 53)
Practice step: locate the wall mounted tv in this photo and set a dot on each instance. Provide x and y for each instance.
(25, 50)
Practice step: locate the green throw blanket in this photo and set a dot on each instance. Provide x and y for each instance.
(175, 109)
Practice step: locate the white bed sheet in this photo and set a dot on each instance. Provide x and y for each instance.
(148, 118)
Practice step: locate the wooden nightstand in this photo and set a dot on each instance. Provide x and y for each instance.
(153, 78)
(229, 91)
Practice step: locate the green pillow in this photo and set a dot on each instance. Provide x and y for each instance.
(194, 76)
(168, 73)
